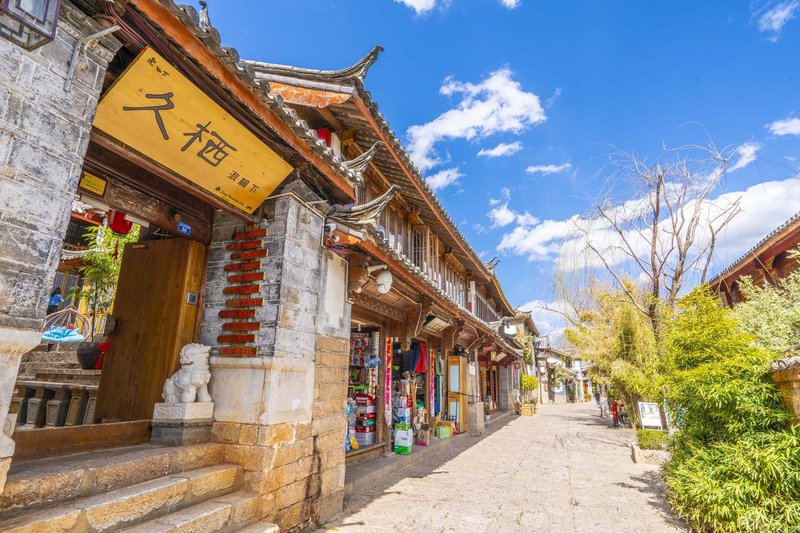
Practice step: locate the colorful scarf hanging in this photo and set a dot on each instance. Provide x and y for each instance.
(431, 380)
(387, 389)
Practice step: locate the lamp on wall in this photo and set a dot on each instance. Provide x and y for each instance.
(384, 279)
(29, 23)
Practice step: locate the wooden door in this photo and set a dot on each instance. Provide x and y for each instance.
(156, 306)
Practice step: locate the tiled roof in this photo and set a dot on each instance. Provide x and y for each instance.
(754, 250)
(188, 15)
(351, 81)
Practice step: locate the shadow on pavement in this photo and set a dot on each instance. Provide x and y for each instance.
(421, 469)
(651, 484)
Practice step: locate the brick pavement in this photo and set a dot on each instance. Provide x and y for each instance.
(560, 471)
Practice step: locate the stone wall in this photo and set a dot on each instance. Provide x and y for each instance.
(44, 133)
(281, 414)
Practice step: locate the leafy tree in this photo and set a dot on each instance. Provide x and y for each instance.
(772, 313)
(100, 269)
(619, 341)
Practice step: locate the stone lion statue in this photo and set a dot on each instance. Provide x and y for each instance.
(190, 382)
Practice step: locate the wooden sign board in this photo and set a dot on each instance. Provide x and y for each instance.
(159, 112)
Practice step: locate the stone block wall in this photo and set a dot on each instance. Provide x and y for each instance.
(44, 133)
(330, 423)
(281, 414)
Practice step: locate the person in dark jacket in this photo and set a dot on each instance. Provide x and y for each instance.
(55, 300)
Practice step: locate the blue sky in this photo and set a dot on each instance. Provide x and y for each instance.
(546, 90)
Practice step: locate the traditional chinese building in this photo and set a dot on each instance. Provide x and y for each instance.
(767, 262)
(279, 222)
(443, 300)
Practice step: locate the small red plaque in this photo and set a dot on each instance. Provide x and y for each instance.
(241, 289)
(248, 254)
(237, 313)
(241, 326)
(246, 278)
(236, 339)
(238, 267)
(243, 245)
(244, 302)
(239, 351)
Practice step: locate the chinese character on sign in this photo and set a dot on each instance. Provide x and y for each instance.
(157, 109)
(214, 151)
(244, 183)
(233, 176)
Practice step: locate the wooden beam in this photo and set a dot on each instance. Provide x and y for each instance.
(72, 439)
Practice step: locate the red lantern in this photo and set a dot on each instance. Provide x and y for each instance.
(118, 223)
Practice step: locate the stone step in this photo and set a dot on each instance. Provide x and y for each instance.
(32, 367)
(42, 481)
(260, 527)
(231, 512)
(50, 357)
(129, 505)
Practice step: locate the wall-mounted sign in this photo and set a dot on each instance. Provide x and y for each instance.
(92, 183)
(184, 228)
(156, 110)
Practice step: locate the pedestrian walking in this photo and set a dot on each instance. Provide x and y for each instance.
(55, 300)
(597, 398)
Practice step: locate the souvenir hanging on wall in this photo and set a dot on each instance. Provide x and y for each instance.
(431, 381)
(387, 389)
(359, 348)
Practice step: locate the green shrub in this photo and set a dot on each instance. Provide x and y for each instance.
(750, 484)
(528, 383)
(735, 466)
(652, 439)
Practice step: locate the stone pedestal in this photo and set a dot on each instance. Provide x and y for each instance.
(178, 424)
(786, 375)
(476, 419)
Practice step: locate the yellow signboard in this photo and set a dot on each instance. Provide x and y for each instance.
(92, 183)
(156, 110)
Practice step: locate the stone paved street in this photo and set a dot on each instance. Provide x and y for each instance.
(560, 471)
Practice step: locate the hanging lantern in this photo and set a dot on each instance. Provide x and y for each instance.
(29, 23)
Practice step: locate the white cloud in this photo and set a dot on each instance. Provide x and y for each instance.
(495, 105)
(419, 6)
(787, 126)
(746, 154)
(502, 216)
(510, 4)
(773, 20)
(550, 101)
(764, 206)
(548, 322)
(443, 178)
(548, 169)
(502, 149)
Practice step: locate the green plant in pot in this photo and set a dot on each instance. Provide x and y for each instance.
(100, 272)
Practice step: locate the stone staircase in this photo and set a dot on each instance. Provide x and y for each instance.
(138, 489)
(55, 363)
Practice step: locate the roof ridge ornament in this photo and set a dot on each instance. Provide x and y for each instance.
(358, 71)
(205, 22)
(360, 163)
(492, 264)
(364, 216)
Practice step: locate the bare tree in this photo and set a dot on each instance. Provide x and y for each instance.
(666, 233)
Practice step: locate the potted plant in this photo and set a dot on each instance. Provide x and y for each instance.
(100, 272)
(527, 408)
